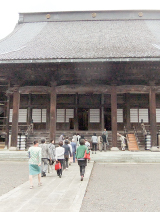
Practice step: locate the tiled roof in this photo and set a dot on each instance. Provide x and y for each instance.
(82, 39)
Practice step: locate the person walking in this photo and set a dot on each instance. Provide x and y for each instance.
(78, 139)
(45, 156)
(73, 144)
(100, 143)
(52, 151)
(94, 140)
(105, 139)
(123, 143)
(61, 138)
(70, 156)
(87, 144)
(60, 157)
(75, 138)
(82, 162)
(67, 153)
(34, 154)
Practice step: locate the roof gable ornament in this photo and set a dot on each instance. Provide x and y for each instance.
(140, 14)
(48, 16)
(94, 15)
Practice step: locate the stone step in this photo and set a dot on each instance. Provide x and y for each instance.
(106, 157)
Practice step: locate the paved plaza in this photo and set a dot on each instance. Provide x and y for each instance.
(123, 188)
(12, 174)
(107, 187)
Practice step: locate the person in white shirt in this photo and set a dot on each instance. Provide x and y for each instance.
(70, 157)
(60, 157)
(75, 138)
(123, 143)
(94, 140)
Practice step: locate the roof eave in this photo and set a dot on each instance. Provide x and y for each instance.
(79, 60)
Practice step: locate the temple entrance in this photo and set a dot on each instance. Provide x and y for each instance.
(107, 118)
(82, 119)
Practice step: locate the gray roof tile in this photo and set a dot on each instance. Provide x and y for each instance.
(82, 39)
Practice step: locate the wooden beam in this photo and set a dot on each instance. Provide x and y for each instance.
(98, 89)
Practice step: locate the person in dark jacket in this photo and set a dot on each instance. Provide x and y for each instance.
(67, 152)
(82, 162)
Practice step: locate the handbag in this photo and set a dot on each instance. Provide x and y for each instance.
(87, 155)
(58, 165)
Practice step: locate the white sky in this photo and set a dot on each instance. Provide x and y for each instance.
(9, 9)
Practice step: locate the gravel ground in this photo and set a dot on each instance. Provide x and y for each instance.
(12, 174)
(123, 187)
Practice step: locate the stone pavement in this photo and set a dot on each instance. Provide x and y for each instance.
(119, 180)
(56, 194)
(123, 188)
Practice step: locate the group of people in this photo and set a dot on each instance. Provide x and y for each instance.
(43, 156)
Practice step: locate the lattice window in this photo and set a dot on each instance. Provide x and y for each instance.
(157, 115)
(22, 117)
(94, 115)
(136, 115)
(63, 115)
(39, 115)
(69, 114)
(119, 115)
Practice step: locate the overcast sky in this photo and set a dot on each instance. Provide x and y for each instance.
(9, 9)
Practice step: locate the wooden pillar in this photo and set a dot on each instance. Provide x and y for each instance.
(29, 115)
(7, 123)
(48, 118)
(53, 97)
(16, 102)
(127, 112)
(102, 111)
(152, 109)
(114, 115)
(76, 113)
